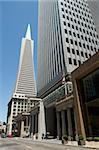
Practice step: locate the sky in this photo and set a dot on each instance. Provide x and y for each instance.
(14, 17)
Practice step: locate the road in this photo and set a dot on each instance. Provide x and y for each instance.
(28, 144)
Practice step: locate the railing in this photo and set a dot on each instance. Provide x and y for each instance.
(64, 91)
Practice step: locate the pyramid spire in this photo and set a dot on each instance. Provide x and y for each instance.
(28, 32)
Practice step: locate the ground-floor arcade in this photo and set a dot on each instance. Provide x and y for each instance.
(66, 120)
(22, 124)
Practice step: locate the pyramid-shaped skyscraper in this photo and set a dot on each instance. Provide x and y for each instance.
(24, 93)
(25, 79)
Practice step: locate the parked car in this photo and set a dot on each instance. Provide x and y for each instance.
(9, 135)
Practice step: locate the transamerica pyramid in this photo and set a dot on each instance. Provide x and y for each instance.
(24, 94)
(25, 83)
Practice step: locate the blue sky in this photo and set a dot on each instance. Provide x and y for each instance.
(14, 17)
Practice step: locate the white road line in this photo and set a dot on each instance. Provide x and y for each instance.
(29, 147)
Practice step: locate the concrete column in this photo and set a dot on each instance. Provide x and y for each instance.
(41, 121)
(30, 124)
(70, 132)
(35, 123)
(76, 131)
(80, 123)
(22, 128)
(27, 124)
(9, 129)
(58, 125)
(63, 122)
(33, 130)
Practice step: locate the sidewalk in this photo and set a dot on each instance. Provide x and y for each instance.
(71, 143)
(92, 145)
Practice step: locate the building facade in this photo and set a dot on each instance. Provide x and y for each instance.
(23, 97)
(67, 37)
(94, 8)
(86, 97)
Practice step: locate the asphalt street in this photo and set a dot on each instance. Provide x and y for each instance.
(28, 144)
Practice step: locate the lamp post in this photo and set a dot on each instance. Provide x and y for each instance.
(64, 82)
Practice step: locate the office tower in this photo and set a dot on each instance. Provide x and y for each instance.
(67, 37)
(25, 89)
(25, 83)
(94, 8)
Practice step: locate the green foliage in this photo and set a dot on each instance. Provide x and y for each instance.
(89, 138)
(81, 137)
(96, 139)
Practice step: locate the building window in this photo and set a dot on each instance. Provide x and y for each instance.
(70, 32)
(79, 44)
(62, 9)
(82, 37)
(86, 55)
(73, 51)
(67, 40)
(63, 16)
(65, 31)
(65, 23)
(66, 11)
(68, 49)
(82, 54)
(70, 61)
(89, 55)
(88, 46)
(79, 62)
(78, 35)
(73, 26)
(75, 63)
(75, 42)
(71, 41)
(74, 34)
(68, 24)
(67, 18)
(77, 52)
(85, 38)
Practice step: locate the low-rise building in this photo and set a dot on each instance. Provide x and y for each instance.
(2, 127)
(86, 97)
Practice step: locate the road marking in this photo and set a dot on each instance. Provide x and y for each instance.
(29, 147)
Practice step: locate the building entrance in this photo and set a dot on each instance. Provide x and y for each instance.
(51, 122)
(90, 103)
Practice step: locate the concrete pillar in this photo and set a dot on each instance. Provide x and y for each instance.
(35, 123)
(9, 129)
(70, 132)
(63, 122)
(80, 123)
(41, 121)
(58, 125)
(33, 130)
(76, 131)
(22, 128)
(30, 124)
(27, 124)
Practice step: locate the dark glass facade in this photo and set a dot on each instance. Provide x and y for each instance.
(90, 102)
(90, 85)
